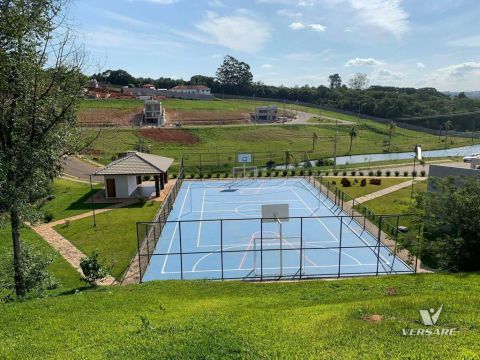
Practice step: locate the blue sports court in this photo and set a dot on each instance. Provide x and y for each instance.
(216, 231)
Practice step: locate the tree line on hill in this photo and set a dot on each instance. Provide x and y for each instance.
(234, 77)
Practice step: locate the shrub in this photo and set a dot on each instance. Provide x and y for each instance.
(355, 181)
(388, 173)
(423, 173)
(114, 157)
(310, 172)
(34, 271)
(344, 173)
(47, 216)
(301, 172)
(379, 172)
(147, 178)
(414, 173)
(335, 173)
(405, 173)
(284, 173)
(208, 176)
(326, 173)
(376, 181)
(192, 176)
(200, 176)
(276, 173)
(334, 182)
(93, 269)
(294, 172)
(353, 172)
(397, 173)
(174, 176)
(370, 173)
(269, 174)
(363, 182)
(270, 164)
(345, 182)
(361, 173)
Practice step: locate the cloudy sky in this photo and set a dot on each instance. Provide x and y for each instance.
(291, 42)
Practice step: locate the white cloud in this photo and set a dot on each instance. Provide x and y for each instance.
(305, 3)
(317, 27)
(237, 32)
(457, 77)
(266, 66)
(289, 13)
(420, 65)
(128, 41)
(363, 62)
(216, 3)
(161, 2)
(387, 15)
(383, 75)
(309, 56)
(347, 29)
(469, 41)
(296, 26)
(217, 56)
(124, 19)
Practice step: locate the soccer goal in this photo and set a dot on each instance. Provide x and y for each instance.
(243, 172)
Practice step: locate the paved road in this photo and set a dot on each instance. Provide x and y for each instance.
(80, 169)
(418, 167)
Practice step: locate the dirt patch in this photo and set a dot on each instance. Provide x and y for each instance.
(110, 117)
(177, 136)
(373, 318)
(206, 117)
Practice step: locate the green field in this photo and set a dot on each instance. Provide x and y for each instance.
(67, 276)
(356, 191)
(237, 320)
(70, 199)
(114, 236)
(275, 139)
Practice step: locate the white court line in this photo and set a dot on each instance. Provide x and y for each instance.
(319, 220)
(251, 201)
(270, 268)
(201, 218)
(175, 230)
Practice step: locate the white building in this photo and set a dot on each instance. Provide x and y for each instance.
(191, 89)
(122, 177)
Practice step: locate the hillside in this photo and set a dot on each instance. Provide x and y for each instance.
(210, 320)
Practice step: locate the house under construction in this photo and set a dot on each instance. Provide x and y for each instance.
(153, 113)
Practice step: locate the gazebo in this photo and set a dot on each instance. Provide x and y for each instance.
(123, 176)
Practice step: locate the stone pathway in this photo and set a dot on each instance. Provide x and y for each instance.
(66, 249)
(69, 251)
(386, 191)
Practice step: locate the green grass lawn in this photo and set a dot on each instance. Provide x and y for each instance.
(67, 276)
(275, 139)
(114, 236)
(238, 320)
(397, 202)
(70, 199)
(356, 191)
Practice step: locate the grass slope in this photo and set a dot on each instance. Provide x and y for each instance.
(114, 236)
(275, 139)
(213, 320)
(70, 199)
(68, 277)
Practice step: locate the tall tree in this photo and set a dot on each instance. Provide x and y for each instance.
(40, 88)
(353, 134)
(234, 73)
(359, 81)
(335, 81)
(392, 128)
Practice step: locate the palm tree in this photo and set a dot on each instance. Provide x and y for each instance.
(288, 158)
(392, 127)
(353, 135)
(448, 126)
(314, 140)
